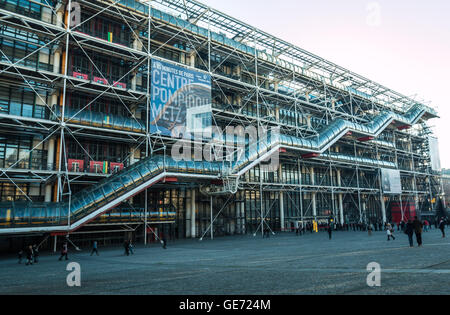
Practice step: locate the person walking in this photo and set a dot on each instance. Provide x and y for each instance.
(64, 251)
(126, 246)
(442, 227)
(426, 225)
(409, 230)
(370, 229)
(20, 256)
(330, 230)
(418, 230)
(29, 255)
(390, 232)
(35, 254)
(94, 248)
(130, 247)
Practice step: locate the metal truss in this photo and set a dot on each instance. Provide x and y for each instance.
(267, 88)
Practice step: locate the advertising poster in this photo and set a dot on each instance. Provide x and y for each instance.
(391, 182)
(435, 155)
(180, 100)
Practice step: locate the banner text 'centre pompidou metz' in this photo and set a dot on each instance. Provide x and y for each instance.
(181, 100)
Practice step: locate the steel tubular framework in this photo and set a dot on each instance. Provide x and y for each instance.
(257, 79)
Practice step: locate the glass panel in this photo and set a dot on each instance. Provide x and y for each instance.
(126, 180)
(108, 191)
(135, 176)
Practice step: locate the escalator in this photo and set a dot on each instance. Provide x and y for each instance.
(85, 206)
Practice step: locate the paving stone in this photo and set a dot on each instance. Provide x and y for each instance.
(284, 264)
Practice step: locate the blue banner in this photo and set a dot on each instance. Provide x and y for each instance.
(180, 100)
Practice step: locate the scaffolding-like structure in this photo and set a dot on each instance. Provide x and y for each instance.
(75, 80)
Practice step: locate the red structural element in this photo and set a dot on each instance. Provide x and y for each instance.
(217, 182)
(119, 85)
(79, 75)
(310, 155)
(75, 165)
(404, 127)
(283, 150)
(96, 167)
(348, 133)
(116, 167)
(365, 139)
(409, 211)
(100, 80)
(170, 180)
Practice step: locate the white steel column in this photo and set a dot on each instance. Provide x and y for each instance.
(313, 195)
(233, 214)
(50, 162)
(188, 213)
(383, 206)
(282, 221)
(314, 205)
(193, 212)
(212, 220)
(340, 197)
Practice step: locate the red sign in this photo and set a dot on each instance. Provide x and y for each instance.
(100, 80)
(119, 85)
(80, 75)
(75, 165)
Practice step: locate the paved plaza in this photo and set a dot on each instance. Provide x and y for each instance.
(284, 264)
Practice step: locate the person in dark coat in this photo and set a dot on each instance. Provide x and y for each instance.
(409, 230)
(126, 245)
(64, 251)
(29, 255)
(330, 230)
(442, 227)
(130, 247)
(20, 256)
(35, 254)
(94, 248)
(418, 230)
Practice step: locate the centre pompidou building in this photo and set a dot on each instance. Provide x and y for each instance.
(91, 93)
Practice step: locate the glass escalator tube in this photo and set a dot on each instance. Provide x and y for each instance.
(145, 171)
(172, 165)
(76, 207)
(128, 124)
(88, 203)
(97, 119)
(137, 126)
(22, 214)
(190, 165)
(182, 166)
(108, 121)
(85, 118)
(63, 209)
(91, 198)
(108, 192)
(38, 214)
(136, 176)
(52, 214)
(118, 123)
(127, 181)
